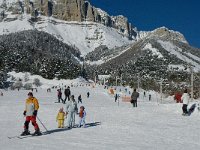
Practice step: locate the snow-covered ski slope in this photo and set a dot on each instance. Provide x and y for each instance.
(86, 36)
(148, 127)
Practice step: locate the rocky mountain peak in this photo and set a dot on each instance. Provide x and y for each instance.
(167, 34)
(74, 10)
(163, 33)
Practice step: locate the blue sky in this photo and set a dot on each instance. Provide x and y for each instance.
(179, 15)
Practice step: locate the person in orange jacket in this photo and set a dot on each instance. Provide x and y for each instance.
(31, 109)
(82, 116)
(60, 118)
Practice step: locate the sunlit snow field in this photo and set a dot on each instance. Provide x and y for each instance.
(150, 126)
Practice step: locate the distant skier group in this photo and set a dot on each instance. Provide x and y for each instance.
(67, 93)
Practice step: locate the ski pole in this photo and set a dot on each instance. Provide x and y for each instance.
(42, 124)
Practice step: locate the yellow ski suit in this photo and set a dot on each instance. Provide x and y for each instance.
(60, 118)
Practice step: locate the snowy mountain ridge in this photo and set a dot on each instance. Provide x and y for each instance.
(111, 31)
(162, 32)
(91, 34)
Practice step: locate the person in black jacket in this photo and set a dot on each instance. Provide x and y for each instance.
(80, 99)
(67, 94)
(134, 98)
(88, 94)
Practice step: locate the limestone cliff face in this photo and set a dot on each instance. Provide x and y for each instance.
(77, 10)
(82, 10)
(69, 10)
(122, 24)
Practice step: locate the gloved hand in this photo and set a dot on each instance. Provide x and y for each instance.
(35, 113)
(24, 113)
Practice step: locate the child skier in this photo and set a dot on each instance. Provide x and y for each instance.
(60, 118)
(82, 115)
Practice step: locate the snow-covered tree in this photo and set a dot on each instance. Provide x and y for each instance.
(28, 86)
(26, 77)
(37, 82)
(18, 84)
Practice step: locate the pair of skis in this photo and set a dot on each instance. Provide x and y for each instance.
(31, 135)
(23, 137)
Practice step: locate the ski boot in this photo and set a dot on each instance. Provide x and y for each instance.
(26, 132)
(185, 114)
(37, 133)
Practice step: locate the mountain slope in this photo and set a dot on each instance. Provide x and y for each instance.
(68, 19)
(86, 36)
(38, 53)
(155, 56)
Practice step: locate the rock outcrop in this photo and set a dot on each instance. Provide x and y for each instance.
(75, 10)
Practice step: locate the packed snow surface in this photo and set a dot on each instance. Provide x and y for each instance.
(150, 126)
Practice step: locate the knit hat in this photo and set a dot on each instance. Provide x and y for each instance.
(30, 94)
(82, 107)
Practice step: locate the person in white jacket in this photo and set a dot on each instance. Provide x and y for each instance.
(71, 110)
(185, 99)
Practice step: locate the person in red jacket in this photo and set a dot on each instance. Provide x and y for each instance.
(178, 97)
(31, 109)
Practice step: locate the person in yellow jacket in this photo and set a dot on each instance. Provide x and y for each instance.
(31, 109)
(60, 118)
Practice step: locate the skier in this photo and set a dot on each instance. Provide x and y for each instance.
(48, 90)
(79, 99)
(144, 94)
(134, 98)
(178, 97)
(67, 94)
(30, 112)
(126, 90)
(149, 97)
(185, 99)
(88, 94)
(60, 118)
(59, 95)
(116, 97)
(82, 115)
(71, 109)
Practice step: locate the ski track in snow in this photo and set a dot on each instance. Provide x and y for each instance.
(150, 126)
